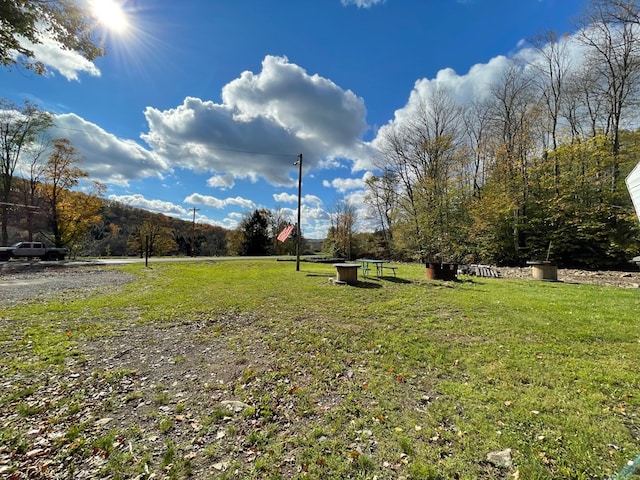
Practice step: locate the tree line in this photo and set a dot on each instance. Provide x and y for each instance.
(533, 170)
(124, 230)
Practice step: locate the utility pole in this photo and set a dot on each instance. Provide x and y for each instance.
(193, 233)
(298, 229)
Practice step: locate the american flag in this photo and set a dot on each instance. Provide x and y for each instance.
(286, 233)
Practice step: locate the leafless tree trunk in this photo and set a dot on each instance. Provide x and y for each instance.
(19, 128)
(343, 220)
(382, 198)
(395, 158)
(32, 174)
(554, 67)
(582, 106)
(423, 153)
(512, 119)
(476, 119)
(611, 35)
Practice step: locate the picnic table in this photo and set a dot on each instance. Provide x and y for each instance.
(368, 264)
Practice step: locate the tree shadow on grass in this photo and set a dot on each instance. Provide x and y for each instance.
(396, 280)
(331, 278)
(358, 284)
(363, 284)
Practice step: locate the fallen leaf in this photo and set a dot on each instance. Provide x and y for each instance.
(220, 466)
(35, 452)
(103, 421)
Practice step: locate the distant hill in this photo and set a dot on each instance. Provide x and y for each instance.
(314, 244)
(119, 231)
(122, 227)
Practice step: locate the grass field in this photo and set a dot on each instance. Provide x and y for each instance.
(392, 378)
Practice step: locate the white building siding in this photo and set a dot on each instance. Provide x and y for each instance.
(633, 185)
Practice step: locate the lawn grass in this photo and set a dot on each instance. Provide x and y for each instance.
(392, 377)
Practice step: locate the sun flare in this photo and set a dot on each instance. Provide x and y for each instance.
(110, 14)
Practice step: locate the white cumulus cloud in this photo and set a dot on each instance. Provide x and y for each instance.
(285, 197)
(222, 182)
(264, 121)
(346, 184)
(107, 158)
(362, 3)
(68, 62)
(206, 200)
(157, 206)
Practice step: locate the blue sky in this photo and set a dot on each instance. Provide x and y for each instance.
(207, 103)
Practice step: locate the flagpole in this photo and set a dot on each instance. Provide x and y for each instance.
(299, 230)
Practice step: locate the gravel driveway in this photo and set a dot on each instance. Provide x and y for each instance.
(39, 282)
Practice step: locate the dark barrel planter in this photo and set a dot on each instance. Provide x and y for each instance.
(441, 271)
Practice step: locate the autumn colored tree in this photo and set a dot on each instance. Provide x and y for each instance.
(339, 241)
(515, 145)
(235, 242)
(77, 213)
(152, 238)
(27, 22)
(588, 225)
(71, 214)
(533, 168)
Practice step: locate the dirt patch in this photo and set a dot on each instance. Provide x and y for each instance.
(36, 282)
(173, 401)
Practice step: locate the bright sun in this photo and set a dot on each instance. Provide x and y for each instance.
(110, 14)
